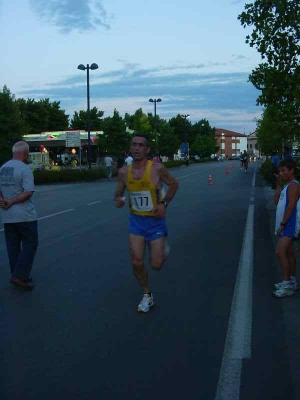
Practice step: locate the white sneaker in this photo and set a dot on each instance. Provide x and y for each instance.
(146, 303)
(294, 285)
(284, 291)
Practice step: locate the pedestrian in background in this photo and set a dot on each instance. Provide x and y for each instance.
(19, 215)
(120, 161)
(275, 159)
(287, 226)
(286, 153)
(128, 160)
(108, 163)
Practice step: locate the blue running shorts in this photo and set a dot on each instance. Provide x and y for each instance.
(150, 227)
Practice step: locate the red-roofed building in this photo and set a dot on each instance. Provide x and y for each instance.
(231, 143)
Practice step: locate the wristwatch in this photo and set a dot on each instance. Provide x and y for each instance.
(164, 203)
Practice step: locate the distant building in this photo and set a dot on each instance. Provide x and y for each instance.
(231, 143)
(252, 145)
(55, 144)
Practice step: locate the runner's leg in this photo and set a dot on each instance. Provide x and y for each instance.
(157, 253)
(282, 253)
(292, 259)
(137, 251)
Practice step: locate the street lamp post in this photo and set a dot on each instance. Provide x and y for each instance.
(222, 137)
(185, 116)
(87, 68)
(155, 101)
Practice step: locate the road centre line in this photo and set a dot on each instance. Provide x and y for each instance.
(55, 214)
(50, 215)
(238, 339)
(94, 202)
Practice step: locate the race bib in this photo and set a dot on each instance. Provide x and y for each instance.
(141, 201)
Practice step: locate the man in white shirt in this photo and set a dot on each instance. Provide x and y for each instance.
(108, 163)
(128, 160)
(19, 215)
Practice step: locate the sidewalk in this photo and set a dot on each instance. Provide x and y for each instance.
(291, 305)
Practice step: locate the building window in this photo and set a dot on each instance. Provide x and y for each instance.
(250, 146)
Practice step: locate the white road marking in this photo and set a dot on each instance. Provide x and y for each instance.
(54, 215)
(194, 173)
(254, 177)
(51, 215)
(94, 202)
(238, 339)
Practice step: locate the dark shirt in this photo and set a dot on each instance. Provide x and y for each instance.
(120, 162)
(275, 160)
(287, 156)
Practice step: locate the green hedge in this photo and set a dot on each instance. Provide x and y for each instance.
(70, 175)
(266, 171)
(88, 175)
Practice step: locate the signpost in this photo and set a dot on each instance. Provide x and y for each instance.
(184, 148)
(73, 140)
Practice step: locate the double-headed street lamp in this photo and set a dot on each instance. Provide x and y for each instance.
(155, 101)
(185, 116)
(87, 68)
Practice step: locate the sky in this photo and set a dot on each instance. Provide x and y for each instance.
(191, 54)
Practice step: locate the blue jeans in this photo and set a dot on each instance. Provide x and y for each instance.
(21, 243)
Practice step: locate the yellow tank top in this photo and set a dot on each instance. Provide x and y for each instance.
(143, 195)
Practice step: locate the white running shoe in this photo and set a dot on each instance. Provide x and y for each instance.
(167, 249)
(294, 285)
(284, 291)
(146, 303)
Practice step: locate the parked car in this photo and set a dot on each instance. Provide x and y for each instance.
(296, 154)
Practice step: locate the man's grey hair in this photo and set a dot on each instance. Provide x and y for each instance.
(20, 147)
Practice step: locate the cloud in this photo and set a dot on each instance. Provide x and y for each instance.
(239, 57)
(226, 97)
(72, 15)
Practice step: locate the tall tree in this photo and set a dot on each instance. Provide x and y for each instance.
(138, 121)
(11, 124)
(35, 115)
(275, 35)
(204, 146)
(80, 119)
(272, 131)
(58, 120)
(115, 140)
(42, 115)
(168, 143)
(178, 124)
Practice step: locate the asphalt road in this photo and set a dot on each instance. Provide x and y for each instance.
(211, 336)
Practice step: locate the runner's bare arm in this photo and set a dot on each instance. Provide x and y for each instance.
(293, 195)
(169, 180)
(121, 186)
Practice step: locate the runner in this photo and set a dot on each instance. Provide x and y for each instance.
(287, 226)
(108, 163)
(241, 160)
(245, 160)
(144, 180)
(128, 159)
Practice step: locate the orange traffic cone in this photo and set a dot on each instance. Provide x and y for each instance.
(210, 180)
